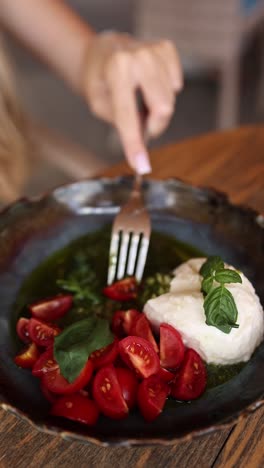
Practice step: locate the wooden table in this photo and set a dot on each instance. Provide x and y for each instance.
(232, 162)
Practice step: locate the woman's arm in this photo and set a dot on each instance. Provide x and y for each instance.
(52, 31)
(107, 69)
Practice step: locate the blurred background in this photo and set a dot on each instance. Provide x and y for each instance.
(221, 44)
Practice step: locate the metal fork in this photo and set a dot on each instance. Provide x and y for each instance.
(130, 237)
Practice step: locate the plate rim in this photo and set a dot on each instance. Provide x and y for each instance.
(239, 416)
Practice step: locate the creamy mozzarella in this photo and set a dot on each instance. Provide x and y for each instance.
(182, 308)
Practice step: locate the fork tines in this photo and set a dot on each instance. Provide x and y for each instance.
(128, 253)
(130, 237)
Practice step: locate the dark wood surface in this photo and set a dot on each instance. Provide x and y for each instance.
(232, 162)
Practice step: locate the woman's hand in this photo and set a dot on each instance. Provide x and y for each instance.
(106, 68)
(116, 65)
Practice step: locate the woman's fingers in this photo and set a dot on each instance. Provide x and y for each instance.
(159, 95)
(121, 82)
(170, 57)
(100, 103)
(117, 65)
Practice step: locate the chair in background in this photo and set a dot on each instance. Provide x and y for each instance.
(211, 34)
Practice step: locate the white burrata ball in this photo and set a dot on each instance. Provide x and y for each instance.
(183, 308)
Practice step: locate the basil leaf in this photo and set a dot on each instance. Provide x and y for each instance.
(212, 264)
(82, 282)
(73, 346)
(82, 290)
(227, 276)
(220, 309)
(207, 284)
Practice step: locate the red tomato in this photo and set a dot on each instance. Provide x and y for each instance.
(171, 347)
(42, 333)
(141, 327)
(76, 407)
(166, 375)
(119, 362)
(152, 394)
(53, 308)
(108, 395)
(123, 290)
(128, 384)
(27, 357)
(191, 378)
(45, 363)
(84, 393)
(56, 383)
(122, 322)
(49, 396)
(139, 355)
(104, 356)
(22, 329)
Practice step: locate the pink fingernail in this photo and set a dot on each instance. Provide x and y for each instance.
(142, 164)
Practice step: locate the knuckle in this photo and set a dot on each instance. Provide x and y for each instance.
(144, 54)
(167, 45)
(118, 60)
(163, 110)
(179, 84)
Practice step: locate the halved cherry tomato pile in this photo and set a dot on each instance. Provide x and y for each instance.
(133, 370)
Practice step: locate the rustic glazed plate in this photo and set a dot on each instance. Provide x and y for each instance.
(32, 230)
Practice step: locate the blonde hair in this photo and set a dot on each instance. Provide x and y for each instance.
(14, 141)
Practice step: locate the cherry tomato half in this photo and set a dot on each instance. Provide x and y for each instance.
(141, 327)
(123, 290)
(41, 333)
(77, 408)
(123, 320)
(104, 356)
(166, 375)
(56, 383)
(139, 355)
(22, 329)
(171, 347)
(191, 379)
(128, 384)
(27, 357)
(53, 308)
(108, 394)
(45, 363)
(152, 394)
(49, 396)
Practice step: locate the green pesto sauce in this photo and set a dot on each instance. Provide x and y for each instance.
(88, 256)
(217, 375)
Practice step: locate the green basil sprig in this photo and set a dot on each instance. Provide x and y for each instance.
(73, 346)
(219, 305)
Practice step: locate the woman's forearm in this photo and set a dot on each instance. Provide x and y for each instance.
(105, 69)
(52, 31)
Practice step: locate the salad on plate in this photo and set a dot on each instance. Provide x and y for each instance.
(113, 350)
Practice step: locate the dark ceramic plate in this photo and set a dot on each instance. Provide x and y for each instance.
(32, 230)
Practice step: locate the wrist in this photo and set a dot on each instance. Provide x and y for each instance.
(82, 50)
(96, 45)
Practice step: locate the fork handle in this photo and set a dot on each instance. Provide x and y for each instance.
(143, 115)
(137, 186)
